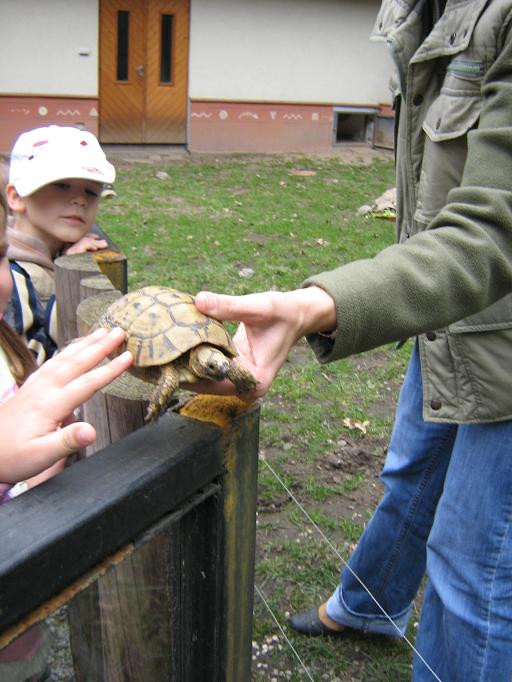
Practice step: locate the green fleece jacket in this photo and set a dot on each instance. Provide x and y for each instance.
(449, 277)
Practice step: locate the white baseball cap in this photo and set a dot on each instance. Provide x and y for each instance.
(44, 155)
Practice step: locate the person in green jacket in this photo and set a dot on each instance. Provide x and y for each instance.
(447, 503)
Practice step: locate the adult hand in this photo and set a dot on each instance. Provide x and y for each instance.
(271, 323)
(35, 426)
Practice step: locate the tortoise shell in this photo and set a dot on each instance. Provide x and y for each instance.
(162, 324)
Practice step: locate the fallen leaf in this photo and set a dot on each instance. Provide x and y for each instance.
(302, 172)
(361, 426)
(247, 273)
(356, 425)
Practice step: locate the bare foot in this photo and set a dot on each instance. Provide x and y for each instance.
(329, 622)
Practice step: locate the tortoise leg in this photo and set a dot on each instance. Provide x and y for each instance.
(243, 380)
(166, 386)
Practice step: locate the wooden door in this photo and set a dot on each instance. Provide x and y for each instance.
(143, 71)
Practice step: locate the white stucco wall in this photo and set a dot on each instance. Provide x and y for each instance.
(287, 50)
(40, 43)
(309, 51)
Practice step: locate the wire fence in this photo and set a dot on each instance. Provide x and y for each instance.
(348, 567)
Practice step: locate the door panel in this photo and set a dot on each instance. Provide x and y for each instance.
(122, 87)
(167, 60)
(143, 70)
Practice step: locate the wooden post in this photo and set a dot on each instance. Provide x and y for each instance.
(112, 262)
(240, 499)
(69, 271)
(106, 631)
(74, 284)
(119, 408)
(119, 626)
(92, 286)
(240, 426)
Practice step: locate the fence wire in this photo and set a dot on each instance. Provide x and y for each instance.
(348, 567)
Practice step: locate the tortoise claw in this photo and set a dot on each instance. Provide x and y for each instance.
(243, 380)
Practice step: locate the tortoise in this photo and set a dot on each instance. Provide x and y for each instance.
(172, 342)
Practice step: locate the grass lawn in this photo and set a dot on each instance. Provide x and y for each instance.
(242, 224)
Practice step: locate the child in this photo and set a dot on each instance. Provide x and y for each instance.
(56, 177)
(24, 450)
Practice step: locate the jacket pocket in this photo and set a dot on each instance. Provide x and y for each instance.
(483, 371)
(457, 108)
(483, 345)
(446, 124)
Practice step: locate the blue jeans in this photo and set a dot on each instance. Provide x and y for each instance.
(446, 510)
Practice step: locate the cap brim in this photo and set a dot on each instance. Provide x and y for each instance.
(27, 186)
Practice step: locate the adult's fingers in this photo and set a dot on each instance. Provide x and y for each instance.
(252, 308)
(211, 387)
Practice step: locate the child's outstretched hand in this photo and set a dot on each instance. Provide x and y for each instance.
(35, 424)
(89, 242)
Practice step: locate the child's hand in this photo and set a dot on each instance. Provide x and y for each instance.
(89, 242)
(35, 428)
(46, 474)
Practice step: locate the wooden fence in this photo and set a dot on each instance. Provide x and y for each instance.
(150, 542)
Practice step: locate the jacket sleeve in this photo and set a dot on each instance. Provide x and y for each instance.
(29, 317)
(457, 267)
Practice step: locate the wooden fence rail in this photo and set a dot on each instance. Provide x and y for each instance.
(150, 542)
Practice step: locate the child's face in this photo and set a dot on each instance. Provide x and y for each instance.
(5, 273)
(61, 212)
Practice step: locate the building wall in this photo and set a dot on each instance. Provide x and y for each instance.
(42, 44)
(287, 51)
(265, 74)
(49, 66)
(260, 128)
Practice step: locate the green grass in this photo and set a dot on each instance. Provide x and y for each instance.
(210, 223)
(205, 222)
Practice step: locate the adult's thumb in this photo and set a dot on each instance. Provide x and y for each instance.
(210, 304)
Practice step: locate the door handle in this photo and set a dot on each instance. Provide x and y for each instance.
(140, 70)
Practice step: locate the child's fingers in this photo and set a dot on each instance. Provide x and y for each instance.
(81, 356)
(65, 441)
(85, 385)
(101, 337)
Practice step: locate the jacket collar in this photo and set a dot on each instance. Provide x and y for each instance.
(453, 32)
(398, 23)
(24, 247)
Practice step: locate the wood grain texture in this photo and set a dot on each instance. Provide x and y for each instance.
(142, 109)
(69, 271)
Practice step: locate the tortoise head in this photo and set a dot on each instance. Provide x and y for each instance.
(209, 362)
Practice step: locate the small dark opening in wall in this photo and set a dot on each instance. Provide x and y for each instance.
(353, 127)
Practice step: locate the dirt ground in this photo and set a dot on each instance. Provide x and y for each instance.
(343, 460)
